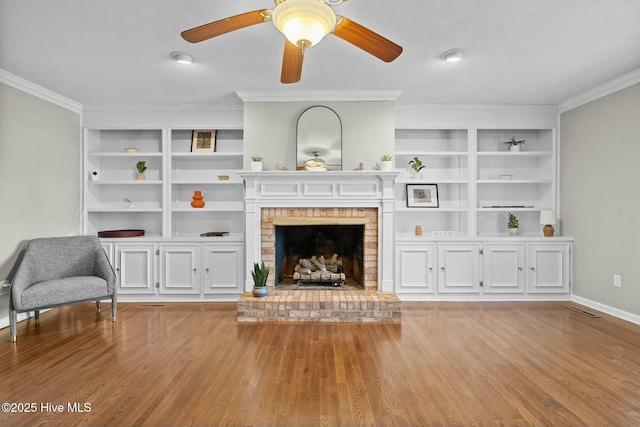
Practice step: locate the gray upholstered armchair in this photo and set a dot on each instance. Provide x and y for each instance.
(61, 271)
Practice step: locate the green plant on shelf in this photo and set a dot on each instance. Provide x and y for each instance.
(416, 164)
(512, 221)
(514, 142)
(256, 158)
(141, 166)
(386, 158)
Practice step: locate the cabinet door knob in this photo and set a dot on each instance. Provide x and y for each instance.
(430, 269)
(532, 269)
(207, 270)
(519, 268)
(194, 270)
(442, 268)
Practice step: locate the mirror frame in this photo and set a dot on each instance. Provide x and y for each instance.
(305, 149)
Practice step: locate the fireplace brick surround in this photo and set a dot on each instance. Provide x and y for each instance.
(324, 198)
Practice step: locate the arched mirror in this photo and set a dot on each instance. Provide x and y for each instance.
(319, 136)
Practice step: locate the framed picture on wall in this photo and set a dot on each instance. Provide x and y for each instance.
(203, 141)
(422, 196)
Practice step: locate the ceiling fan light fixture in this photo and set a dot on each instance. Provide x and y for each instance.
(303, 22)
(181, 57)
(452, 55)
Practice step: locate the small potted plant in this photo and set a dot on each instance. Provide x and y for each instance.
(141, 167)
(416, 166)
(513, 144)
(260, 273)
(512, 224)
(256, 163)
(385, 163)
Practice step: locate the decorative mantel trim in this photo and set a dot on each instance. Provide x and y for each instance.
(339, 189)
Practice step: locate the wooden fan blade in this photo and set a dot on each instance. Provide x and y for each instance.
(213, 29)
(367, 40)
(291, 63)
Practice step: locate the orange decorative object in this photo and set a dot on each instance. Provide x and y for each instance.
(197, 199)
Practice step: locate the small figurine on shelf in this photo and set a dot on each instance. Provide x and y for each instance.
(141, 166)
(197, 199)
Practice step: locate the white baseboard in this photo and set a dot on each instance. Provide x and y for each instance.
(615, 312)
(4, 322)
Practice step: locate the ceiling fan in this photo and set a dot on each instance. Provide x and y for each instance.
(304, 23)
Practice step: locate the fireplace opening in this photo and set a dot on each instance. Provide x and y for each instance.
(319, 256)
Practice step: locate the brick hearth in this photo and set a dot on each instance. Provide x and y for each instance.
(320, 306)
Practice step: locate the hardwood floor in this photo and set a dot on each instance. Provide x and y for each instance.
(446, 364)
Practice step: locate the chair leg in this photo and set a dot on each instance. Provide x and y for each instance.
(37, 315)
(98, 305)
(13, 324)
(114, 307)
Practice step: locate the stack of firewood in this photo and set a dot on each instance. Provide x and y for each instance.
(319, 269)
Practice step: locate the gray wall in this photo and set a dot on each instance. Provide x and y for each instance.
(39, 175)
(368, 131)
(600, 196)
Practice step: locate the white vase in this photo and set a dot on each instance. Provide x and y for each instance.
(513, 231)
(514, 148)
(256, 166)
(386, 165)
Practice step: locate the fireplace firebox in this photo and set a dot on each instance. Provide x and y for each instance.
(319, 255)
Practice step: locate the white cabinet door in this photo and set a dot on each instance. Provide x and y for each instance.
(415, 271)
(548, 268)
(180, 269)
(459, 268)
(503, 268)
(136, 268)
(223, 266)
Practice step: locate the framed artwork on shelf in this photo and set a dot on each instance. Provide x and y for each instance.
(203, 141)
(422, 196)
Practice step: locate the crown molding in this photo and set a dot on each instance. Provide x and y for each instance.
(318, 95)
(39, 92)
(605, 89)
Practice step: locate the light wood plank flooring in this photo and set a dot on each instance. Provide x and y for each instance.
(446, 364)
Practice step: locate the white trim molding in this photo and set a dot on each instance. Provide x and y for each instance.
(605, 89)
(318, 95)
(615, 312)
(38, 91)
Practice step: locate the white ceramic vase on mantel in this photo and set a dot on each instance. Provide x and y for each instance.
(256, 166)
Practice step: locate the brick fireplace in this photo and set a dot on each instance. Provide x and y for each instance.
(322, 198)
(325, 197)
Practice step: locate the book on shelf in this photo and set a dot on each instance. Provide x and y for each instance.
(214, 234)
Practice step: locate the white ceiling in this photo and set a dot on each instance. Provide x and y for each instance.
(518, 52)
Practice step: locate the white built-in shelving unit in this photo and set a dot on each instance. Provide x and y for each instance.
(465, 250)
(171, 261)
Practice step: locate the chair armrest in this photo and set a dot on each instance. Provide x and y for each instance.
(104, 269)
(26, 275)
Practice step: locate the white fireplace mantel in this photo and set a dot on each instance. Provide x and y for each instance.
(330, 189)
